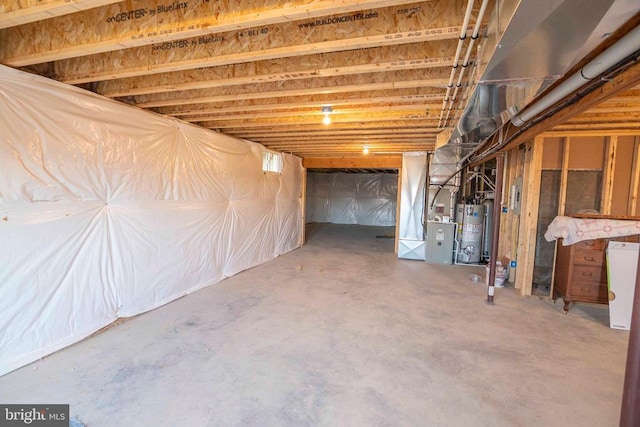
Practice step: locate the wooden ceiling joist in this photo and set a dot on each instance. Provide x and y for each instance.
(356, 147)
(303, 120)
(127, 25)
(387, 58)
(275, 136)
(364, 162)
(20, 12)
(315, 125)
(111, 65)
(417, 109)
(329, 85)
(390, 97)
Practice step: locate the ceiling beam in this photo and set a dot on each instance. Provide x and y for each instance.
(297, 121)
(329, 85)
(364, 162)
(20, 12)
(270, 136)
(360, 125)
(387, 58)
(353, 99)
(334, 141)
(129, 63)
(422, 109)
(128, 25)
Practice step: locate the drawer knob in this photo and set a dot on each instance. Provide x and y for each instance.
(587, 274)
(589, 258)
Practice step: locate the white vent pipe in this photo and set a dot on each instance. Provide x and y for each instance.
(624, 47)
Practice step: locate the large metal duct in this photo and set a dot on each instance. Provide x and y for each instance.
(528, 45)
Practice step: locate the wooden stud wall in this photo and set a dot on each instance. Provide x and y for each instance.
(532, 164)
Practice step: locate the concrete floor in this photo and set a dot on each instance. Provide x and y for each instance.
(341, 333)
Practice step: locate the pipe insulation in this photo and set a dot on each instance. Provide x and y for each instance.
(623, 48)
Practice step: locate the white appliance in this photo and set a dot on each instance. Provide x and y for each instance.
(622, 263)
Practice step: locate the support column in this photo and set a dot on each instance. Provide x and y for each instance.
(630, 413)
(495, 236)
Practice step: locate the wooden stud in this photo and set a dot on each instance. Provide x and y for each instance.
(562, 202)
(564, 176)
(529, 217)
(635, 178)
(609, 174)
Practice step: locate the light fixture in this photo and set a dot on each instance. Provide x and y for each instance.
(326, 110)
(365, 150)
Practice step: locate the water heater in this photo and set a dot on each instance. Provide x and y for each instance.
(470, 219)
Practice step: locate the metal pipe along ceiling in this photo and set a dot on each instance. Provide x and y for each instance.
(463, 36)
(624, 47)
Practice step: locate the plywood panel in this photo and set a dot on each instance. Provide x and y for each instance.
(552, 154)
(587, 153)
(622, 176)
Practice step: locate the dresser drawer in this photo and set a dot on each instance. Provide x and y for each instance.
(584, 273)
(587, 257)
(589, 291)
(591, 245)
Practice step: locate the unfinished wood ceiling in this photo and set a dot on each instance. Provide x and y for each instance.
(264, 70)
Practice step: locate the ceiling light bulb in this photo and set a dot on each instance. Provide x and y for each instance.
(326, 120)
(365, 150)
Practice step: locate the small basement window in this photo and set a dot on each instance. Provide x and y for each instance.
(271, 161)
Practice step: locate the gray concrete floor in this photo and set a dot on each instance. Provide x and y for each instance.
(342, 333)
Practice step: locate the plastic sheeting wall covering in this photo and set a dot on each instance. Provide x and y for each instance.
(352, 198)
(109, 211)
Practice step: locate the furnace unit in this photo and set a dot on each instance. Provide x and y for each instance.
(440, 236)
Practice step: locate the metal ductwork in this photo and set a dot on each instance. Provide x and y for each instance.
(528, 45)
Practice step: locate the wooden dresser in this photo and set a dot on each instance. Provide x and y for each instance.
(581, 271)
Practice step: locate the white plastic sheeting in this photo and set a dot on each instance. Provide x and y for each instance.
(411, 243)
(352, 198)
(109, 211)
